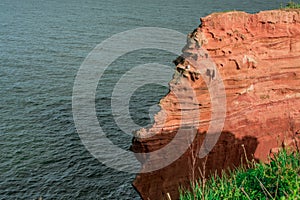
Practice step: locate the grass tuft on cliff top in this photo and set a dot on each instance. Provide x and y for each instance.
(291, 5)
(280, 179)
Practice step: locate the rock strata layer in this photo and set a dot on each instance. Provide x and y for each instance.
(257, 56)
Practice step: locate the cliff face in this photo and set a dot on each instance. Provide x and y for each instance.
(258, 59)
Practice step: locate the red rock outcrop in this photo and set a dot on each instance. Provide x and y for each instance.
(258, 58)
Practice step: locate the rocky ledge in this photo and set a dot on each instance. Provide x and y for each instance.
(257, 57)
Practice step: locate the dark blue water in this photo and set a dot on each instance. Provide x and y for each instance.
(42, 45)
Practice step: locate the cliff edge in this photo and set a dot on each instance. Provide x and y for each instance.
(258, 58)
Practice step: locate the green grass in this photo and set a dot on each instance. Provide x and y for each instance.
(291, 5)
(280, 179)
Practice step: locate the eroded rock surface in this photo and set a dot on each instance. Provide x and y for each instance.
(258, 59)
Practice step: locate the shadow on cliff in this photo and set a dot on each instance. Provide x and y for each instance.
(229, 153)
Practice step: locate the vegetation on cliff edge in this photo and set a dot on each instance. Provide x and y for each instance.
(291, 5)
(279, 179)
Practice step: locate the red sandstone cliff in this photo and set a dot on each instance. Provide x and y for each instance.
(258, 59)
